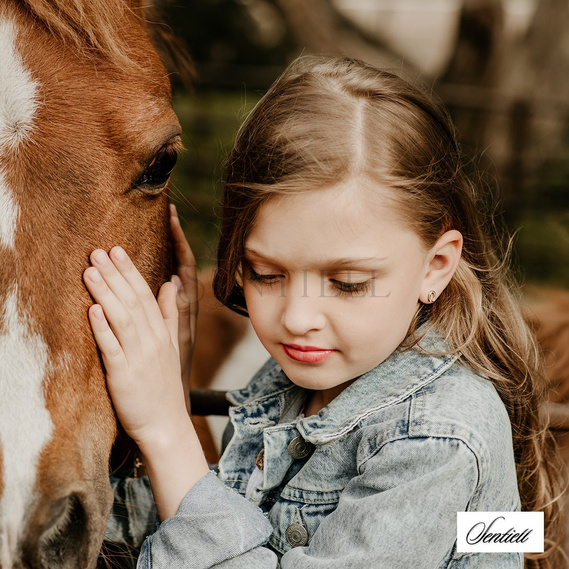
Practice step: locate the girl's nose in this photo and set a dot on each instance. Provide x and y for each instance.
(302, 310)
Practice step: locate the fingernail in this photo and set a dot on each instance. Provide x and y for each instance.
(98, 312)
(173, 209)
(101, 258)
(177, 281)
(120, 254)
(95, 276)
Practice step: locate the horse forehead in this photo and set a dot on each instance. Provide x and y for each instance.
(18, 105)
(25, 422)
(38, 69)
(18, 90)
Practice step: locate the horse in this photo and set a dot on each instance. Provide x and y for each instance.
(88, 138)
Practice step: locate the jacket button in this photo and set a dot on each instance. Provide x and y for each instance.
(299, 448)
(297, 535)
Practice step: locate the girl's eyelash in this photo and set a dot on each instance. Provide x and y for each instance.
(340, 288)
(351, 289)
(259, 278)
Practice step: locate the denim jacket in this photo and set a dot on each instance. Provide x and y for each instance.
(391, 460)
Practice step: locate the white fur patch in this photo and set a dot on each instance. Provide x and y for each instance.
(241, 364)
(9, 214)
(18, 91)
(25, 422)
(18, 104)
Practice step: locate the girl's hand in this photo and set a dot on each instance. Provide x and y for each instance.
(186, 300)
(138, 339)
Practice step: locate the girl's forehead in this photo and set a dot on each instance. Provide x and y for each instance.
(349, 204)
(351, 219)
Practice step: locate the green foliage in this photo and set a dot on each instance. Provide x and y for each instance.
(542, 249)
(245, 44)
(543, 216)
(232, 42)
(210, 121)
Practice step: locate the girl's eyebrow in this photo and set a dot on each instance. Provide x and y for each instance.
(342, 262)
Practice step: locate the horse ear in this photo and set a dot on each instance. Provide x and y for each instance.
(171, 49)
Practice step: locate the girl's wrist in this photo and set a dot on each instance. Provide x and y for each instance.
(157, 441)
(174, 462)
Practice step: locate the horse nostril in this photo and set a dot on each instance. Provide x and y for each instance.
(65, 541)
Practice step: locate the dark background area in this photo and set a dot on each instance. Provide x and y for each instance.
(507, 89)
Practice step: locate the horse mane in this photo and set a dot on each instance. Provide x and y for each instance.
(94, 27)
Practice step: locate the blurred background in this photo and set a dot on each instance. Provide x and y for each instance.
(501, 67)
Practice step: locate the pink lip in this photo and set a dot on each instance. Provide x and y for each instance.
(306, 354)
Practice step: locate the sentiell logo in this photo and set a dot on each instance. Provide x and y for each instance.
(505, 532)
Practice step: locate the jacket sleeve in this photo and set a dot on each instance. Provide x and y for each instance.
(400, 512)
(214, 527)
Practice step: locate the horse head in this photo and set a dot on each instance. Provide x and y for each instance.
(88, 138)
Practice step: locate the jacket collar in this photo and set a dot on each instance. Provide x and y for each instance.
(401, 374)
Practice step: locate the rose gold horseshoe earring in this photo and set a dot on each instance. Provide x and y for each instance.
(432, 296)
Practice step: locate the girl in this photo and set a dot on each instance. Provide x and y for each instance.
(402, 383)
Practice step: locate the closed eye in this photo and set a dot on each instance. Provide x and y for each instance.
(255, 277)
(350, 289)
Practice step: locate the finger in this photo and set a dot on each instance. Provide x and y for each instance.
(187, 310)
(131, 288)
(118, 283)
(184, 254)
(111, 350)
(116, 315)
(167, 304)
(187, 298)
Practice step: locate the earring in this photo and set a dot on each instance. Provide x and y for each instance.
(432, 296)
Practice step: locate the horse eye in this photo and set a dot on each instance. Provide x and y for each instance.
(158, 171)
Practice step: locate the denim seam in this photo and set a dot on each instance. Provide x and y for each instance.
(230, 394)
(425, 380)
(311, 497)
(279, 544)
(416, 413)
(419, 429)
(444, 437)
(477, 456)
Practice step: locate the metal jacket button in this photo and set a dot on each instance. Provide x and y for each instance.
(297, 535)
(299, 448)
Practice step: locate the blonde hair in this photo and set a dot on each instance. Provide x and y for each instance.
(326, 121)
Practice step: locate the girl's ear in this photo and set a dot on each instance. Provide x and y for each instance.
(442, 263)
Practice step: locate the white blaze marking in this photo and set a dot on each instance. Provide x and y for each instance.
(9, 213)
(18, 104)
(18, 91)
(25, 422)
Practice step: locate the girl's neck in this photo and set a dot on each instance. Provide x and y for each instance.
(316, 400)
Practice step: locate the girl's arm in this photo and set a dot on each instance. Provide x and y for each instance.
(138, 339)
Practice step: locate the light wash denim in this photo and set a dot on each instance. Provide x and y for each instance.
(396, 455)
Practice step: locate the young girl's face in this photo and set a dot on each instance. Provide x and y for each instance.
(332, 280)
